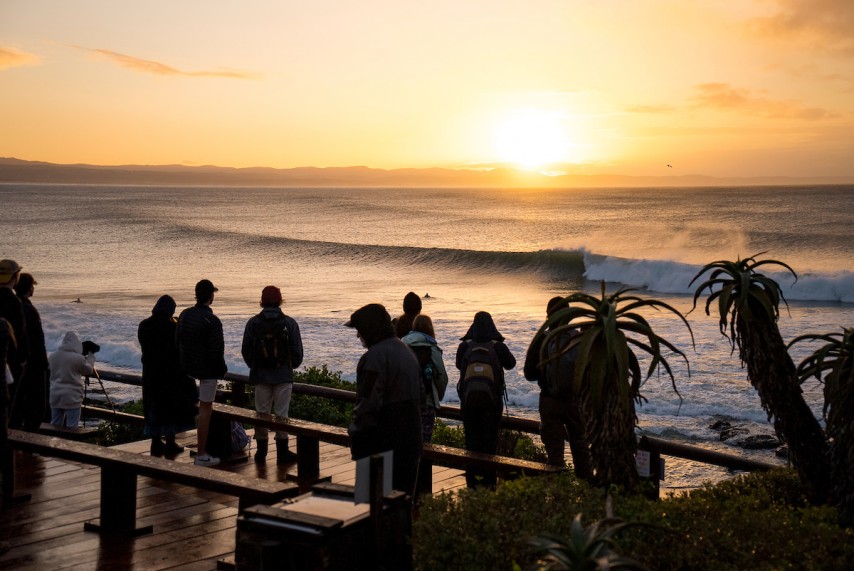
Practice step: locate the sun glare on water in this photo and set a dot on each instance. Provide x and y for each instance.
(532, 138)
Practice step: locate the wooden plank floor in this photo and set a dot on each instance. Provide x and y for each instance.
(193, 528)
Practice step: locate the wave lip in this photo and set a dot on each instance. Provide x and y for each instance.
(666, 276)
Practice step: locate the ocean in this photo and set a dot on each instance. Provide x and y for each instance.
(505, 251)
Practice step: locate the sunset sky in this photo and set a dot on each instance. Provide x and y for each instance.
(721, 88)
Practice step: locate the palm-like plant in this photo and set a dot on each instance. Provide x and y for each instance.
(607, 374)
(835, 361)
(587, 548)
(748, 304)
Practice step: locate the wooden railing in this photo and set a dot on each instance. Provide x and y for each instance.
(658, 446)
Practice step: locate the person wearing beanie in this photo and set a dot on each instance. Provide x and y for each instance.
(411, 308)
(168, 395)
(272, 348)
(386, 415)
(31, 404)
(201, 346)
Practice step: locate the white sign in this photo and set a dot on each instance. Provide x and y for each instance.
(362, 493)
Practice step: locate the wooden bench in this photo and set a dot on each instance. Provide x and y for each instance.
(505, 466)
(119, 471)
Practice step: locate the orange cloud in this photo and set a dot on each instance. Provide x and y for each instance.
(726, 97)
(823, 24)
(157, 68)
(650, 109)
(11, 57)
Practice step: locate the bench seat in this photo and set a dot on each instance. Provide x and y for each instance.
(120, 468)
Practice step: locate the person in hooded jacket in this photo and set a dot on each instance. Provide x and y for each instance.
(434, 378)
(386, 415)
(168, 395)
(67, 365)
(411, 308)
(482, 417)
(274, 380)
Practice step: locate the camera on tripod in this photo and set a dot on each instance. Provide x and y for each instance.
(90, 347)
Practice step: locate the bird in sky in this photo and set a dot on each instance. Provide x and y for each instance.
(670, 166)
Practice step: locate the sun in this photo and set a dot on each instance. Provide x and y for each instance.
(532, 138)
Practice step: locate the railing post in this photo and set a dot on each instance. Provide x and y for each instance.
(649, 467)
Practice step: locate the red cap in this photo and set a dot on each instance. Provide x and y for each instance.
(271, 295)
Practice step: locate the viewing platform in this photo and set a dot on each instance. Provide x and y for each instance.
(192, 528)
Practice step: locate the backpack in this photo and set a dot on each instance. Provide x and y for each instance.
(270, 350)
(560, 373)
(479, 385)
(225, 437)
(424, 354)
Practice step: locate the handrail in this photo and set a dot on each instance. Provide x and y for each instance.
(662, 446)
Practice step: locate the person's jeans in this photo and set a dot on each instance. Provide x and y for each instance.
(65, 417)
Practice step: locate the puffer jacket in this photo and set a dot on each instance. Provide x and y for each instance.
(67, 366)
(201, 343)
(440, 375)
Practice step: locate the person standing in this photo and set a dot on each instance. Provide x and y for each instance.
(31, 401)
(386, 415)
(482, 358)
(434, 378)
(169, 396)
(67, 365)
(411, 308)
(12, 310)
(272, 347)
(560, 411)
(201, 346)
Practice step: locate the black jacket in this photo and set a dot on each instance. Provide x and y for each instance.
(200, 342)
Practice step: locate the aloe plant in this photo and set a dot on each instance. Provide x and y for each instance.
(587, 548)
(748, 307)
(608, 377)
(833, 363)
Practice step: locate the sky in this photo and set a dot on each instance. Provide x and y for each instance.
(635, 87)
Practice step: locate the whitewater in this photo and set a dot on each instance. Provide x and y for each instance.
(506, 251)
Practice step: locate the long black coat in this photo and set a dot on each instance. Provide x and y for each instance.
(168, 395)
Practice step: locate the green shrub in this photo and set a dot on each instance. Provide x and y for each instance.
(758, 521)
(319, 409)
(510, 442)
(113, 433)
(448, 435)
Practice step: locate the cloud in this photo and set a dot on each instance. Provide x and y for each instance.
(157, 68)
(825, 25)
(650, 109)
(722, 96)
(11, 57)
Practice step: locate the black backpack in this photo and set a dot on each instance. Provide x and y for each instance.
(480, 384)
(424, 354)
(271, 344)
(560, 373)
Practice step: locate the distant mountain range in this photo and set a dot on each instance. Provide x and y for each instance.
(16, 170)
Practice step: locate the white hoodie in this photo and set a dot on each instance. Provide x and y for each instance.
(67, 365)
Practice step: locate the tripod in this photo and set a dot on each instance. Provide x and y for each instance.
(103, 390)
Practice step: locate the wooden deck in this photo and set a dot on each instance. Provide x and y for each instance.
(193, 529)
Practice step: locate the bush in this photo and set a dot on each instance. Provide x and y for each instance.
(758, 521)
(319, 409)
(113, 433)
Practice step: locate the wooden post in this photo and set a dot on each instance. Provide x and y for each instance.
(308, 457)
(376, 499)
(652, 466)
(118, 503)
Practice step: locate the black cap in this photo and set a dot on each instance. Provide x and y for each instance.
(204, 289)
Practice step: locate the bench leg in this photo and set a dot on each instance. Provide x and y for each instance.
(118, 504)
(7, 465)
(308, 458)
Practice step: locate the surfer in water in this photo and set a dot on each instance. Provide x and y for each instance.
(78, 300)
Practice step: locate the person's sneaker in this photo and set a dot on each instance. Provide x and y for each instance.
(206, 460)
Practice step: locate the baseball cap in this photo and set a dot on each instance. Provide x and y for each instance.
(8, 268)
